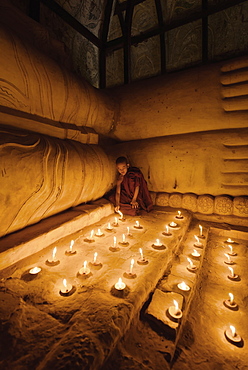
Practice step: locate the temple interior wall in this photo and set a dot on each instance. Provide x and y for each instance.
(186, 131)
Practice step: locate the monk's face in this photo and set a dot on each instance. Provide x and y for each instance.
(122, 168)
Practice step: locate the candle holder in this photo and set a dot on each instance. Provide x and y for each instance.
(124, 242)
(52, 262)
(232, 275)
(230, 303)
(191, 267)
(183, 286)
(109, 228)
(179, 216)
(130, 274)
(195, 254)
(137, 225)
(174, 311)
(119, 289)
(70, 252)
(174, 225)
(84, 271)
(167, 231)
(114, 247)
(115, 223)
(90, 239)
(67, 289)
(34, 271)
(158, 245)
(231, 252)
(142, 261)
(229, 241)
(99, 233)
(197, 243)
(95, 263)
(232, 336)
(228, 261)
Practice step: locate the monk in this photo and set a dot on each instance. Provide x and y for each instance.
(131, 193)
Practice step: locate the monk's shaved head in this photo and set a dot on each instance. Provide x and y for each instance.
(121, 160)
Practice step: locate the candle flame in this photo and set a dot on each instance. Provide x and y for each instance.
(196, 238)
(114, 241)
(200, 227)
(231, 297)
(54, 253)
(116, 221)
(233, 330)
(231, 271)
(120, 284)
(128, 229)
(65, 283)
(95, 257)
(141, 253)
(179, 213)
(71, 245)
(228, 257)
(157, 242)
(131, 265)
(137, 223)
(190, 261)
(121, 214)
(196, 253)
(167, 229)
(85, 264)
(175, 304)
(123, 238)
(231, 247)
(229, 240)
(91, 234)
(183, 285)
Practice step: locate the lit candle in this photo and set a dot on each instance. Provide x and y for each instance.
(230, 241)
(232, 275)
(142, 260)
(197, 242)
(114, 247)
(114, 241)
(66, 289)
(121, 214)
(175, 311)
(229, 261)
(158, 245)
(195, 253)
(183, 286)
(229, 303)
(90, 238)
(191, 267)
(123, 238)
(70, 252)
(53, 261)
(179, 215)
(131, 266)
(120, 285)
(116, 222)
(173, 224)
(85, 271)
(200, 227)
(34, 270)
(231, 252)
(91, 234)
(109, 227)
(95, 257)
(232, 336)
(141, 254)
(137, 225)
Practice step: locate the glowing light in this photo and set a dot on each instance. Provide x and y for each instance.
(141, 253)
(120, 285)
(183, 286)
(233, 330)
(195, 253)
(95, 257)
(131, 266)
(231, 271)
(190, 262)
(121, 214)
(115, 241)
(200, 228)
(71, 245)
(231, 298)
(176, 307)
(137, 224)
(123, 238)
(35, 270)
(54, 253)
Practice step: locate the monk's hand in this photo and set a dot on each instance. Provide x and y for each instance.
(134, 204)
(117, 208)
(120, 179)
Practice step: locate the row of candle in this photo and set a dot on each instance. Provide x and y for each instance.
(230, 333)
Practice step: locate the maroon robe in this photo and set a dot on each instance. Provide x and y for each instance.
(131, 180)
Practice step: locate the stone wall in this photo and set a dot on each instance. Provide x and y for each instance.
(42, 176)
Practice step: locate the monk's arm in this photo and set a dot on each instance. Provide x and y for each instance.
(117, 197)
(134, 202)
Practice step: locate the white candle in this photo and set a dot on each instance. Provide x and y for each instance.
(176, 307)
(95, 257)
(114, 241)
(137, 224)
(131, 266)
(195, 253)
(167, 229)
(66, 287)
(228, 257)
(157, 243)
(179, 213)
(229, 240)
(141, 254)
(173, 224)
(120, 285)
(116, 221)
(85, 265)
(190, 262)
(200, 227)
(183, 286)
(99, 233)
(231, 271)
(231, 298)
(91, 234)
(128, 230)
(231, 248)
(123, 238)
(71, 245)
(109, 227)
(34, 270)
(54, 253)
(233, 330)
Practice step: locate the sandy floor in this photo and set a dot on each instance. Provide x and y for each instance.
(42, 329)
